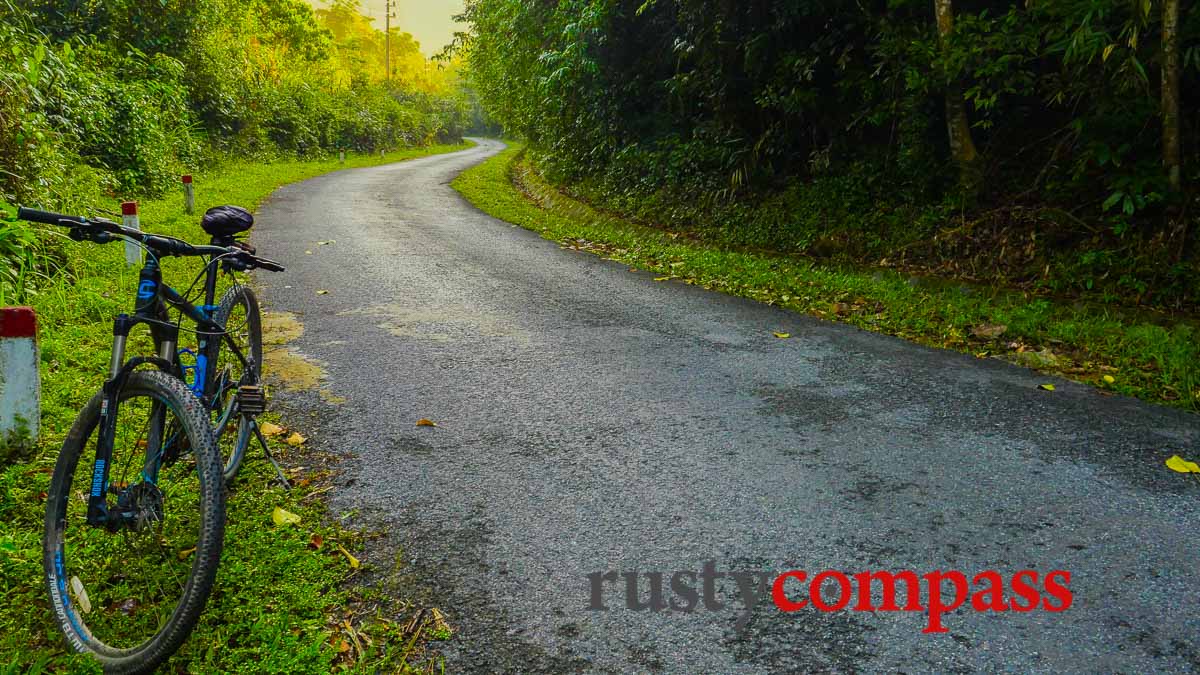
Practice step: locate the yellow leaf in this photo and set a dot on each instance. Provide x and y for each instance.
(322, 292)
(782, 336)
(81, 596)
(1107, 52)
(269, 429)
(353, 561)
(1109, 379)
(295, 440)
(1177, 463)
(183, 555)
(281, 517)
(426, 423)
(1047, 387)
(661, 278)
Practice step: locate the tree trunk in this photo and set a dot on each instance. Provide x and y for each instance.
(1170, 93)
(958, 127)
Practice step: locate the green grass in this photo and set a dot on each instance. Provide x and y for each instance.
(1153, 358)
(278, 602)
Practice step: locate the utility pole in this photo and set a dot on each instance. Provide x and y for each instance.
(387, 39)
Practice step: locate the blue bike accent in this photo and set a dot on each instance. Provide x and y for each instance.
(145, 290)
(198, 370)
(98, 479)
(201, 369)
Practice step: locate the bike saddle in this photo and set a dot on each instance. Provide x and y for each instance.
(225, 221)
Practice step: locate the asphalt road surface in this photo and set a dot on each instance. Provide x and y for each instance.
(592, 420)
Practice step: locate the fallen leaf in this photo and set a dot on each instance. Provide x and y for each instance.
(295, 440)
(661, 278)
(322, 292)
(281, 517)
(989, 331)
(316, 542)
(308, 253)
(183, 555)
(426, 423)
(269, 429)
(354, 564)
(782, 336)
(81, 596)
(1109, 379)
(1047, 387)
(1177, 463)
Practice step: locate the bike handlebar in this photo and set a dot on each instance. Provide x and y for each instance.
(162, 246)
(47, 217)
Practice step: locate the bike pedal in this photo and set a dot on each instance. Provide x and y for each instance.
(252, 399)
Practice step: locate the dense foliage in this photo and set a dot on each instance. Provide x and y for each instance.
(119, 97)
(116, 99)
(829, 127)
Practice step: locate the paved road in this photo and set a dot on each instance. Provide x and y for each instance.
(593, 420)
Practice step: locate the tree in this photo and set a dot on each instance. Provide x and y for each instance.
(1170, 93)
(958, 127)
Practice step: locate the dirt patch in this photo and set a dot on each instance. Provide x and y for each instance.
(286, 366)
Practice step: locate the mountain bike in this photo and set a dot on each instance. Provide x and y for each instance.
(135, 514)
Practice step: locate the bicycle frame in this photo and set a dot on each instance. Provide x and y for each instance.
(153, 299)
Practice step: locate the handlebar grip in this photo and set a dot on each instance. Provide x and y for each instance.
(268, 265)
(46, 217)
(169, 246)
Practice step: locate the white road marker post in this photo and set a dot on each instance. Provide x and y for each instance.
(189, 195)
(20, 386)
(129, 218)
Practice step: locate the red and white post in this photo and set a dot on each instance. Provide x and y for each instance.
(189, 195)
(20, 387)
(129, 218)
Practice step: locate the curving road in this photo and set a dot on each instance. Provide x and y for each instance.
(592, 420)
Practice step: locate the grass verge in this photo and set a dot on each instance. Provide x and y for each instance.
(281, 603)
(1149, 357)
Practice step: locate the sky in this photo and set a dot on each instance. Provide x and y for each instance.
(429, 21)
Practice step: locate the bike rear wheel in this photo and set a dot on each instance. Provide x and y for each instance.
(239, 315)
(131, 596)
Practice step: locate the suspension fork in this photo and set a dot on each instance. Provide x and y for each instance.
(119, 370)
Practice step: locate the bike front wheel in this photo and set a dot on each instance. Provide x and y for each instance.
(239, 363)
(130, 594)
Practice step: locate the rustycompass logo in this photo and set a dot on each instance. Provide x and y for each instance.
(933, 593)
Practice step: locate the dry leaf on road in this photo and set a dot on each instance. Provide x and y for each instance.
(269, 429)
(423, 422)
(1177, 463)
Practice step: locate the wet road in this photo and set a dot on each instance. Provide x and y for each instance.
(592, 420)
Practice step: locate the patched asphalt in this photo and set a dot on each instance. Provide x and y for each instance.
(591, 419)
